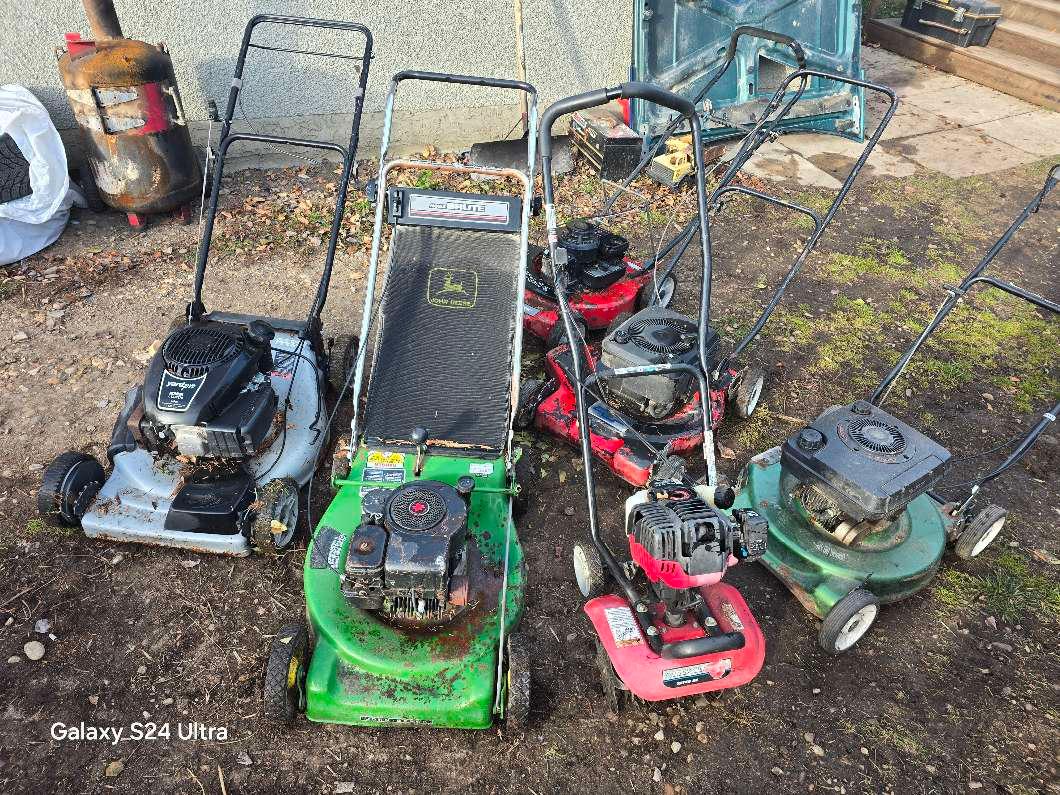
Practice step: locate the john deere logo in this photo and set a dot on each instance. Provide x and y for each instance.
(452, 288)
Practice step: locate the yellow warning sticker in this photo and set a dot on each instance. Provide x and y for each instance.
(379, 459)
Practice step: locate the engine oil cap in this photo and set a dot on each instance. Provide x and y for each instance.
(810, 440)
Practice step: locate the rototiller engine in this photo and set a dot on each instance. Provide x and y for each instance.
(853, 499)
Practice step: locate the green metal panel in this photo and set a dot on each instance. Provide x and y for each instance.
(365, 671)
(820, 571)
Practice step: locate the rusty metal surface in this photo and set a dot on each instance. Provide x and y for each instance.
(116, 63)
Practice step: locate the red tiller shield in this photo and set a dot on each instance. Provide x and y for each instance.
(653, 678)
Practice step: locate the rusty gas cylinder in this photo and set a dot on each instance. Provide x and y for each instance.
(125, 99)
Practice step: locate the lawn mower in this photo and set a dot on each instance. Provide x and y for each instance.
(855, 516)
(414, 579)
(674, 629)
(661, 412)
(212, 450)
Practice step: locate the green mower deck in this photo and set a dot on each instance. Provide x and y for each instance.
(892, 564)
(364, 671)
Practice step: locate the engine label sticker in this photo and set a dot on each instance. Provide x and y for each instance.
(623, 626)
(383, 475)
(453, 288)
(458, 208)
(377, 459)
(731, 616)
(694, 674)
(176, 394)
(481, 469)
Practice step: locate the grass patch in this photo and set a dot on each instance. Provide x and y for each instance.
(890, 730)
(1008, 589)
(35, 526)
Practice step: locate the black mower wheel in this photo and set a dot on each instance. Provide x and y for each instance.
(276, 522)
(659, 294)
(69, 485)
(589, 572)
(340, 370)
(86, 181)
(531, 392)
(615, 691)
(558, 335)
(749, 392)
(848, 620)
(284, 690)
(524, 474)
(980, 532)
(517, 708)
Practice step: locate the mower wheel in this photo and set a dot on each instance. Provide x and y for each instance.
(275, 525)
(749, 392)
(558, 335)
(589, 572)
(981, 532)
(614, 689)
(660, 295)
(524, 473)
(848, 620)
(340, 369)
(284, 690)
(531, 392)
(616, 324)
(517, 709)
(69, 485)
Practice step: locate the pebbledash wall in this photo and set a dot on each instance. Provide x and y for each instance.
(571, 46)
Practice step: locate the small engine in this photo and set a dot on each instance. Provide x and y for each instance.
(208, 391)
(409, 561)
(856, 466)
(654, 336)
(595, 257)
(681, 542)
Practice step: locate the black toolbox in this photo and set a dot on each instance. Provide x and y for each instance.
(606, 142)
(966, 23)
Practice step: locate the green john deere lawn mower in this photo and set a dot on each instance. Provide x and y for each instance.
(855, 516)
(414, 579)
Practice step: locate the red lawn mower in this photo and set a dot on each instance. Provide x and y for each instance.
(674, 629)
(661, 415)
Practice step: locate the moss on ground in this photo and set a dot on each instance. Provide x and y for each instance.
(1008, 589)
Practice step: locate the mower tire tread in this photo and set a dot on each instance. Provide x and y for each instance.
(749, 393)
(667, 290)
(517, 712)
(14, 171)
(835, 624)
(524, 475)
(285, 671)
(339, 370)
(530, 392)
(971, 536)
(615, 694)
(50, 499)
(269, 498)
(596, 582)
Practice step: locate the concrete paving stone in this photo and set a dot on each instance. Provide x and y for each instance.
(1037, 132)
(908, 120)
(775, 162)
(959, 153)
(969, 104)
(837, 156)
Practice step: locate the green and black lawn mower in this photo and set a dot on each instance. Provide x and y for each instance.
(855, 516)
(414, 579)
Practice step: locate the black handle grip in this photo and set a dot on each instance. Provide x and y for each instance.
(464, 80)
(696, 647)
(762, 33)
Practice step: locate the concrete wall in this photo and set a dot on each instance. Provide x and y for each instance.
(571, 45)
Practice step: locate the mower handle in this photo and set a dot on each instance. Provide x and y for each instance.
(697, 647)
(649, 92)
(464, 80)
(762, 33)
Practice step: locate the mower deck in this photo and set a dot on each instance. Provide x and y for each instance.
(892, 564)
(654, 678)
(367, 671)
(136, 502)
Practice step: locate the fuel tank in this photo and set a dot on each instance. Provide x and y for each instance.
(125, 99)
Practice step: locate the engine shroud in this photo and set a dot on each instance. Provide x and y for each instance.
(595, 257)
(207, 392)
(859, 462)
(409, 559)
(655, 336)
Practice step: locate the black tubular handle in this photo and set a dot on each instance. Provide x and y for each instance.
(762, 33)
(696, 647)
(649, 92)
(464, 80)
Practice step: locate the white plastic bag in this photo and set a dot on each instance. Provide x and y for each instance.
(29, 224)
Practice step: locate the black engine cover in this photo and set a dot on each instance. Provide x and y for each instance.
(427, 522)
(595, 257)
(867, 462)
(654, 336)
(207, 391)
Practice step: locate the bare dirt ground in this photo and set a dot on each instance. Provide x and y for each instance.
(954, 690)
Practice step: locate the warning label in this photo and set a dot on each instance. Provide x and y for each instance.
(694, 674)
(623, 626)
(378, 459)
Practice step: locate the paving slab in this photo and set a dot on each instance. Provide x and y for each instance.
(969, 104)
(908, 120)
(774, 161)
(959, 153)
(1037, 132)
(837, 156)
